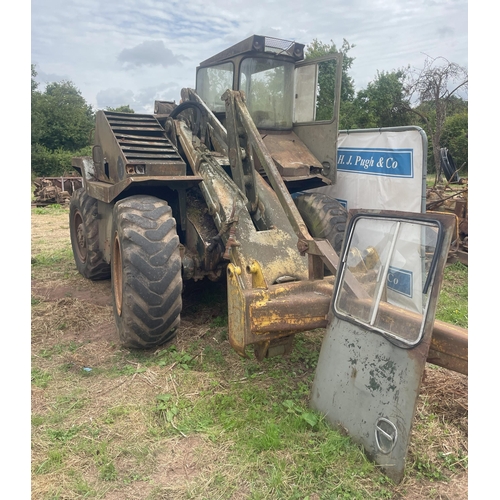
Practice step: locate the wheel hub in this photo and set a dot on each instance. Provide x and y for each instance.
(80, 237)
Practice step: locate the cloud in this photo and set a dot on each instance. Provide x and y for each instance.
(146, 97)
(45, 78)
(445, 31)
(114, 97)
(150, 53)
(141, 101)
(121, 45)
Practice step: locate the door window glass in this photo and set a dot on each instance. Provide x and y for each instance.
(386, 276)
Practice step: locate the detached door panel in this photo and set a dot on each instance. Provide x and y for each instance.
(381, 318)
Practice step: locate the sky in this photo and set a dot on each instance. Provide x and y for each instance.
(125, 52)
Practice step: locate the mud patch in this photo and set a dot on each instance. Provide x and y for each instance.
(97, 293)
(182, 462)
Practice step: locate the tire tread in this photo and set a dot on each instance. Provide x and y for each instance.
(95, 266)
(152, 280)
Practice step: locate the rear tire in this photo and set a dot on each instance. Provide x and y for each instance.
(324, 217)
(84, 234)
(146, 277)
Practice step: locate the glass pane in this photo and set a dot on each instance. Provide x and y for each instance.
(268, 87)
(386, 276)
(326, 90)
(306, 80)
(315, 92)
(212, 82)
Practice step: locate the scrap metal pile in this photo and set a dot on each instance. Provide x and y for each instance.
(454, 199)
(50, 190)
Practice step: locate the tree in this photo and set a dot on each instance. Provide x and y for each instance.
(61, 118)
(455, 138)
(121, 109)
(61, 123)
(36, 115)
(432, 90)
(326, 78)
(34, 83)
(383, 103)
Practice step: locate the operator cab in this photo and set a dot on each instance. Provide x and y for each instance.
(263, 68)
(294, 103)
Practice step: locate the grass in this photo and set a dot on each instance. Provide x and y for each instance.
(431, 179)
(264, 430)
(453, 299)
(192, 420)
(51, 210)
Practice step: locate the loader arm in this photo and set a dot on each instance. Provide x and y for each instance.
(238, 115)
(269, 279)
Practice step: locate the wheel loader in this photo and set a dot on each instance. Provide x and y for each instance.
(223, 186)
(218, 187)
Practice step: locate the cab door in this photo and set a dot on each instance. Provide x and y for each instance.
(381, 318)
(317, 85)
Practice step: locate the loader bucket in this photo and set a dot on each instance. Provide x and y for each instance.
(269, 316)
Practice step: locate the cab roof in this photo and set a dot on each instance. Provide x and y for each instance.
(259, 44)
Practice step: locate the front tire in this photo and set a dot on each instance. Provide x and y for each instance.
(325, 217)
(84, 235)
(146, 278)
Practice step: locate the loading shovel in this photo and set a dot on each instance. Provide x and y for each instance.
(374, 351)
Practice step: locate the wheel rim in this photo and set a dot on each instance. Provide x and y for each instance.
(81, 241)
(117, 274)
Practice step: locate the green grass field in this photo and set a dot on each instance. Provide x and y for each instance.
(192, 420)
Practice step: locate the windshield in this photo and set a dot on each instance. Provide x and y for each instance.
(268, 87)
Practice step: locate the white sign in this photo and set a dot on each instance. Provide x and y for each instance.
(381, 169)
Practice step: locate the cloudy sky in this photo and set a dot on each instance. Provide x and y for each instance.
(126, 52)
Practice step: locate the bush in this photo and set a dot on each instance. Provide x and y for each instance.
(47, 163)
(455, 138)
